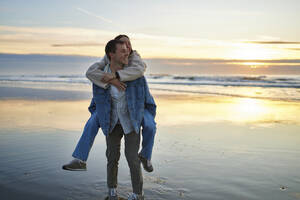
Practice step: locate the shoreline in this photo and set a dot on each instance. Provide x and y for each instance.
(63, 94)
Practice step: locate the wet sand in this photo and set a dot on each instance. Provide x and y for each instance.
(207, 147)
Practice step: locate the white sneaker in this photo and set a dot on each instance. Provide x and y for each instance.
(134, 196)
(112, 194)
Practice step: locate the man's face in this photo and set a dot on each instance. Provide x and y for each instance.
(121, 54)
(127, 42)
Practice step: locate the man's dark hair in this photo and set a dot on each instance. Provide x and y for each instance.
(120, 36)
(111, 47)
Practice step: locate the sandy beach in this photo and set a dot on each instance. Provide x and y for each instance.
(207, 147)
(225, 76)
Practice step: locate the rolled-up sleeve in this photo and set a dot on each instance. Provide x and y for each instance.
(95, 72)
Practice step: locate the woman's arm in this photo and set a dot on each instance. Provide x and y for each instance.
(95, 72)
(135, 69)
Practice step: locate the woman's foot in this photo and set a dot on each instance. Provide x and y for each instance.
(75, 165)
(146, 163)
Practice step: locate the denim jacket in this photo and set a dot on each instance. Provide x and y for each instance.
(138, 99)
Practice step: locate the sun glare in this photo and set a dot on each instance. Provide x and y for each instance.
(248, 109)
(255, 64)
(251, 52)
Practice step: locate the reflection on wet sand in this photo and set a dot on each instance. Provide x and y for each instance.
(199, 109)
(32, 114)
(172, 110)
(204, 149)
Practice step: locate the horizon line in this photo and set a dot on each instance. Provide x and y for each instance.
(160, 58)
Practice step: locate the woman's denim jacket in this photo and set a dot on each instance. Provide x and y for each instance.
(138, 98)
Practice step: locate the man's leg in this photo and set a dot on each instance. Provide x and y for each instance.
(132, 144)
(113, 146)
(87, 138)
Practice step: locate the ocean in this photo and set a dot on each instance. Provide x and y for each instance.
(280, 87)
(201, 77)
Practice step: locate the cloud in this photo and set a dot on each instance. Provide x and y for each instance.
(50, 31)
(53, 40)
(58, 40)
(15, 39)
(78, 44)
(94, 15)
(273, 42)
(181, 61)
(294, 49)
(233, 12)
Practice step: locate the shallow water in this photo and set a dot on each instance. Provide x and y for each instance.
(191, 162)
(203, 150)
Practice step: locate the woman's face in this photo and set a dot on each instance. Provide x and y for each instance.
(127, 42)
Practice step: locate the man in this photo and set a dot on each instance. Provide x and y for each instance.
(135, 69)
(121, 113)
(132, 71)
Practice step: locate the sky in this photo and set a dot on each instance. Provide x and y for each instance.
(215, 29)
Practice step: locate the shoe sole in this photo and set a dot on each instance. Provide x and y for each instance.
(145, 168)
(119, 198)
(70, 169)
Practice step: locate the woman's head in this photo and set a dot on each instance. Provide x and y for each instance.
(125, 38)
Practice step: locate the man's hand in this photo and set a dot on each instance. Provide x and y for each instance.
(118, 84)
(107, 77)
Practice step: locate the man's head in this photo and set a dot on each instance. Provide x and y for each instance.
(117, 52)
(125, 39)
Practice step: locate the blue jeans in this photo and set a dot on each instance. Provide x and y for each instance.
(148, 132)
(91, 129)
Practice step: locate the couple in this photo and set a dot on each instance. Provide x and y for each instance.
(119, 109)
